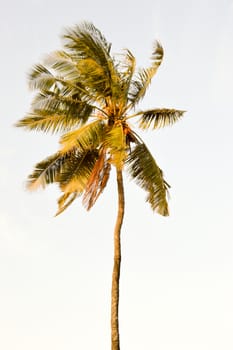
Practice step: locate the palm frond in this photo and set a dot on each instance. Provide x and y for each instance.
(63, 77)
(63, 64)
(42, 120)
(128, 64)
(86, 41)
(87, 44)
(44, 82)
(40, 78)
(127, 68)
(115, 142)
(55, 113)
(142, 80)
(97, 181)
(54, 84)
(50, 101)
(37, 70)
(144, 170)
(94, 78)
(157, 55)
(76, 170)
(65, 200)
(87, 137)
(157, 118)
(46, 172)
(63, 102)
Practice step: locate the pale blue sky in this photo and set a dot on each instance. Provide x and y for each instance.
(177, 272)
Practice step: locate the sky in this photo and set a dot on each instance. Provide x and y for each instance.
(177, 272)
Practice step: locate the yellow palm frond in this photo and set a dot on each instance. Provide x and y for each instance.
(87, 137)
(86, 43)
(65, 200)
(115, 142)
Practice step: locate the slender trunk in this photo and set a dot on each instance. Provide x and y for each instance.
(117, 264)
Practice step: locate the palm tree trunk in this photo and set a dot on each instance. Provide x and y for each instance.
(117, 264)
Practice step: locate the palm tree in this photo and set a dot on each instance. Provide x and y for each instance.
(89, 97)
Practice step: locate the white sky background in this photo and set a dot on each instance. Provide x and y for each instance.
(177, 272)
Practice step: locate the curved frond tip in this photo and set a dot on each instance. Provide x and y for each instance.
(65, 201)
(142, 79)
(46, 172)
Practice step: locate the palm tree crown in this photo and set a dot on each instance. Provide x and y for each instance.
(88, 96)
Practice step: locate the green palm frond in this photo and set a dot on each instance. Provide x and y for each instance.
(41, 78)
(63, 102)
(69, 74)
(86, 43)
(87, 137)
(115, 142)
(127, 68)
(52, 101)
(55, 113)
(42, 120)
(76, 170)
(157, 118)
(157, 56)
(65, 200)
(44, 82)
(53, 83)
(97, 181)
(94, 77)
(63, 78)
(144, 170)
(142, 80)
(63, 64)
(74, 176)
(46, 172)
(128, 64)
(38, 70)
